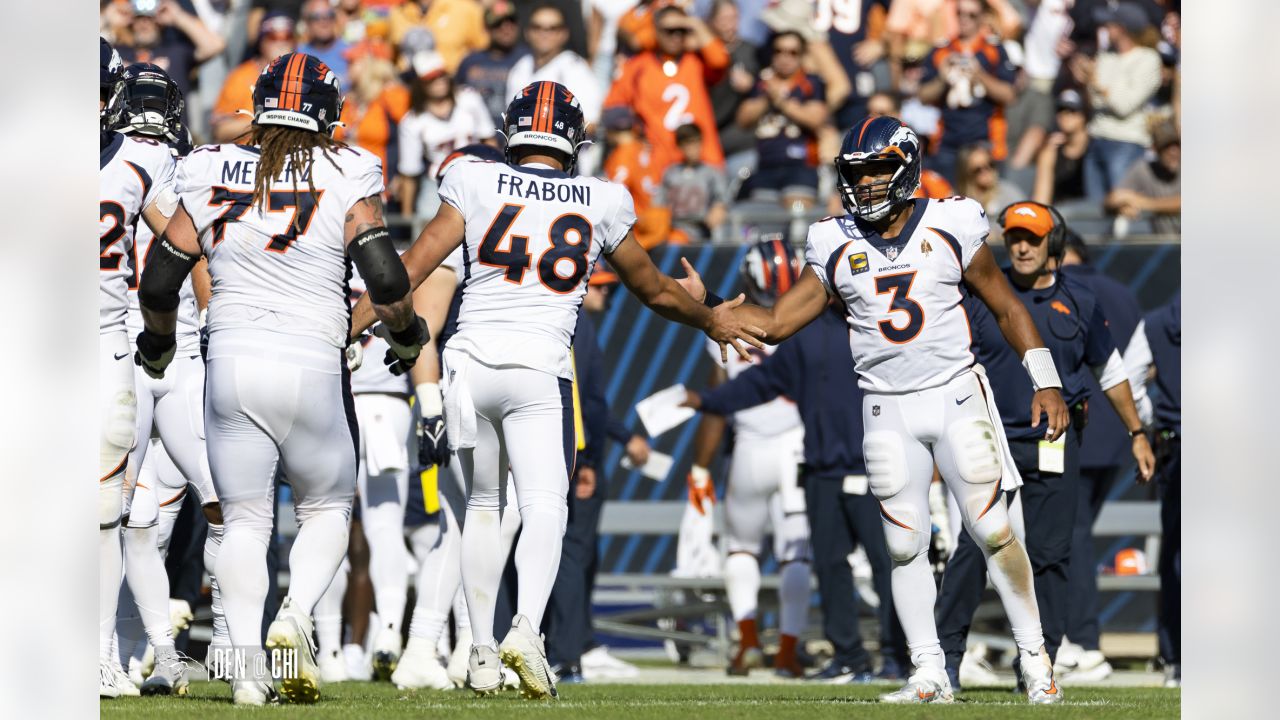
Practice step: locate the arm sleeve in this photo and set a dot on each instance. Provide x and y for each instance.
(756, 385)
(624, 217)
(411, 150)
(1131, 90)
(1111, 373)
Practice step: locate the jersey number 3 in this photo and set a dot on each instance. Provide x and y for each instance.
(560, 267)
(900, 286)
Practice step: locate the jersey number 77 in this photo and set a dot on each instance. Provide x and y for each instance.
(560, 267)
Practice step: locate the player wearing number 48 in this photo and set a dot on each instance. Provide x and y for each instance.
(507, 372)
(896, 265)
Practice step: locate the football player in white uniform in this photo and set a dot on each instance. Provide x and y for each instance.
(768, 447)
(897, 265)
(135, 181)
(532, 234)
(171, 408)
(278, 220)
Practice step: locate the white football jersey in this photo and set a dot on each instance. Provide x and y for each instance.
(133, 171)
(902, 296)
(765, 421)
(533, 235)
(188, 327)
(373, 375)
(283, 269)
(426, 140)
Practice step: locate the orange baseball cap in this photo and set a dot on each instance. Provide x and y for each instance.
(1029, 216)
(1131, 561)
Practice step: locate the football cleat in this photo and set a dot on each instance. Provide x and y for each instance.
(123, 682)
(599, 664)
(419, 668)
(524, 652)
(253, 692)
(106, 680)
(386, 653)
(358, 667)
(1091, 666)
(1037, 674)
(169, 676)
(975, 671)
(333, 666)
(457, 667)
(484, 670)
(926, 685)
(748, 658)
(291, 630)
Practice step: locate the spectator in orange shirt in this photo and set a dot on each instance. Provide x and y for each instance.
(635, 28)
(630, 164)
(375, 104)
(667, 86)
(456, 25)
(275, 38)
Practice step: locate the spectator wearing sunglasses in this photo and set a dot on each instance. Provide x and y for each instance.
(977, 178)
(547, 34)
(320, 22)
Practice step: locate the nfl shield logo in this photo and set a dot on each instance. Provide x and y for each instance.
(875, 410)
(892, 251)
(858, 263)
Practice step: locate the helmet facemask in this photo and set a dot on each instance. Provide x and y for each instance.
(152, 107)
(872, 201)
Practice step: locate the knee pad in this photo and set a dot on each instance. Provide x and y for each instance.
(975, 449)
(119, 428)
(886, 463)
(251, 514)
(906, 531)
(110, 501)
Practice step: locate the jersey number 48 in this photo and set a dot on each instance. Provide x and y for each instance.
(560, 267)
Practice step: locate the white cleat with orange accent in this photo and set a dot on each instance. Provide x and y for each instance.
(1037, 674)
(926, 685)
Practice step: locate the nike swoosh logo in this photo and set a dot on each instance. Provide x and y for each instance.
(962, 400)
(121, 356)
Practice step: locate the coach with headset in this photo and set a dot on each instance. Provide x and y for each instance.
(1068, 317)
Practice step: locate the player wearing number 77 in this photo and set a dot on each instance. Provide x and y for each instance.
(531, 233)
(279, 219)
(897, 266)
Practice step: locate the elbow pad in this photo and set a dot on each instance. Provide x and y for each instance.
(375, 257)
(167, 268)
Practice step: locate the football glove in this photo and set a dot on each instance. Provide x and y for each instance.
(405, 344)
(155, 352)
(702, 492)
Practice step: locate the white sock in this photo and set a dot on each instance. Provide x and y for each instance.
(129, 631)
(1010, 571)
(914, 595)
(149, 584)
(383, 520)
(317, 552)
(212, 543)
(742, 584)
(538, 553)
(793, 598)
(439, 576)
(482, 570)
(110, 565)
(242, 575)
(328, 612)
(461, 618)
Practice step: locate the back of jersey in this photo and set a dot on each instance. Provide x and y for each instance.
(533, 235)
(282, 267)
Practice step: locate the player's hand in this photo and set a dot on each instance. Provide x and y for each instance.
(702, 492)
(730, 328)
(586, 485)
(692, 282)
(433, 442)
(638, 450)
(1048, 401)
(355, 355)
(1145, 458)
(692, 400)
(155, 352)
(405, 345)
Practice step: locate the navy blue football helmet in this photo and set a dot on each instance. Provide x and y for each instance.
(152, 104)
(545, 114)
(878, 146)
(299, 91)
(771, 267)
(476, 151)
(111, 85)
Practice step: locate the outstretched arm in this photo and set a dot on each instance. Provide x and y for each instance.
(986, 281)
(665, 296)
(796, 308)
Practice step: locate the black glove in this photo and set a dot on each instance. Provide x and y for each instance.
(433, 444)
(405, 344)
(155, 352)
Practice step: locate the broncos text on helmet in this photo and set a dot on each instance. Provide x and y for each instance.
(299, 91)
(545, 114)
(770, 268)
(111, 85)
(878, 146)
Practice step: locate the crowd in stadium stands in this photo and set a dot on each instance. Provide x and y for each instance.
(1074, 102)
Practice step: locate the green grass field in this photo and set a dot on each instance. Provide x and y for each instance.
(209, 701)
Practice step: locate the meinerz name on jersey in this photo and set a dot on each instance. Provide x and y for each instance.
(241, 172)
(544, 190)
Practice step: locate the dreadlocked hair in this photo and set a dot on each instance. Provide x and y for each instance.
(278, 144)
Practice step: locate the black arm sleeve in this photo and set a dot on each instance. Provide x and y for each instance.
(167, 267)
(376, 259)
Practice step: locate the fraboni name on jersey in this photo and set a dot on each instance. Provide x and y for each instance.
(765, 421)
(903, 291)
(133, 172)
(284, 267)
(533, 235)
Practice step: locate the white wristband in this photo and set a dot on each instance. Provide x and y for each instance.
(429, 402)
(701, 476)
(1039, 365)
